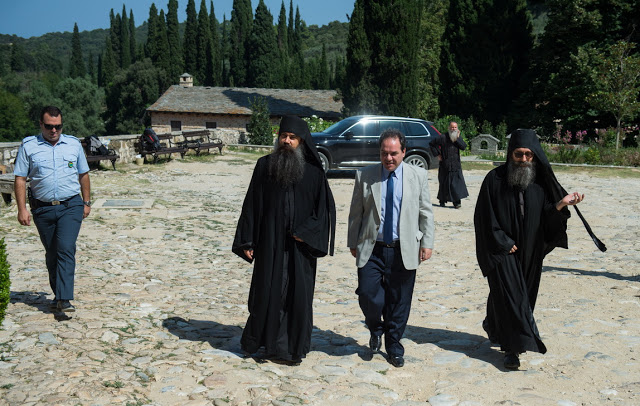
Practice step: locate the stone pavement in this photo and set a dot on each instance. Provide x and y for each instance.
(161, 302)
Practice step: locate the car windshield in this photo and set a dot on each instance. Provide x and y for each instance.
(340, 126)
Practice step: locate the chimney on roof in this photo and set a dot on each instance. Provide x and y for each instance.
(186, 80)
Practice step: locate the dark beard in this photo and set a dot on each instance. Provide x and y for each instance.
(286, 165)
(521, 175)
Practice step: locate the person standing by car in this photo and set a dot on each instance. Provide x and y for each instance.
(59, 173)
(447, 148)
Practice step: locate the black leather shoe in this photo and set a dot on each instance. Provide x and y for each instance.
(397, 362)
(511, 360)
(53, 305)
(375, 343)
(65, 306)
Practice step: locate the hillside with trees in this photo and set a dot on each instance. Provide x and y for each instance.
(563, 67)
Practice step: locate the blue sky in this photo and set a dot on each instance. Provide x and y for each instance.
(28, 18)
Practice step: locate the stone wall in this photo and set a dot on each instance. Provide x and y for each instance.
(124, 145)
(161, 122)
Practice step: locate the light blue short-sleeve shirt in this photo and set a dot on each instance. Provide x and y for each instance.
(53, 169)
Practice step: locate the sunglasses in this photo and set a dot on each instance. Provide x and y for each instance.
(52, 126)
(519, 154)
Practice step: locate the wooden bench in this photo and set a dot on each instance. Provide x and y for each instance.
(111, 155)
(168, 147)
(201, 140)
(6, 186)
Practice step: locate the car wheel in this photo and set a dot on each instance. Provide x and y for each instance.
(417, 160)
(325, 161)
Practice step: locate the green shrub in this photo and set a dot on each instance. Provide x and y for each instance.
(317, 124)
(259, 125)
(5, 283)
(592, 156)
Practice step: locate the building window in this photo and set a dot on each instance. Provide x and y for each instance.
(211, 124)
(176, 125)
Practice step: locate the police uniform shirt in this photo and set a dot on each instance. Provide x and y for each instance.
(53, 169)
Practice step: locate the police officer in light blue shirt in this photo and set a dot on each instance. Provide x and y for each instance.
(58, 172)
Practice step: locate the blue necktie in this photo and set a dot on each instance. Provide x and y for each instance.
(387, 232)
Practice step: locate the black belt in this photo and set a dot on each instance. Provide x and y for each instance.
(40, 203)
(392, 244)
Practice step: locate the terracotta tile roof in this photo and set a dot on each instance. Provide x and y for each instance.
(234, 100)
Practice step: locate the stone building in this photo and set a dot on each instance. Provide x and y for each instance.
(186, 107)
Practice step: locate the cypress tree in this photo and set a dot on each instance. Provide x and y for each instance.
(225, 50)
(357, 90)
(241, 21)
(91, 69)
(109, 66)
(125, 44)
(393, 34)
(151, 47)
(216, 56)
(432, 30)
(283, 47)
(484, 57)
(323, 70)
(76, 64)
(291, 28)
(162, 44)
(114, 33)
(262, 52)
(190, 43)
(132, 37)
(204, 72)
(173, 37)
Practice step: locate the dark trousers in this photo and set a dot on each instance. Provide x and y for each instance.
(58, 227)
(385, 289)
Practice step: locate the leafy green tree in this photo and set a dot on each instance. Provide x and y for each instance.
(558, 89)
(241, 22)
(108, 65)
(190, 40)
(91, 69)
(173, 38)
(76, 64)
(164, 59)
(133, 90)
(262, 51)
(82, 106)
(14, 121)
(617, 83)
(259, 125)
(5, 282)
(17, 56)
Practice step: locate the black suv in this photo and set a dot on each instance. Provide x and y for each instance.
(353, 142)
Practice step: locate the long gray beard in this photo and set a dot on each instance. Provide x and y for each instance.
(286, 166)
(453, 135)
(521, 175)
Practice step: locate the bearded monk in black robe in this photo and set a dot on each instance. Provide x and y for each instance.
(521, 215)
(447, 147)
(287, 222)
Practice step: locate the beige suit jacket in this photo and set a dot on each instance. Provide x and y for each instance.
(416, 227)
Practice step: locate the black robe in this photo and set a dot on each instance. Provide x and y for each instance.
(281, 294)
(514, 278)
(452, 187)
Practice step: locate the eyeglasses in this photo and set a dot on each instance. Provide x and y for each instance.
(520, 154)
(52, 126)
